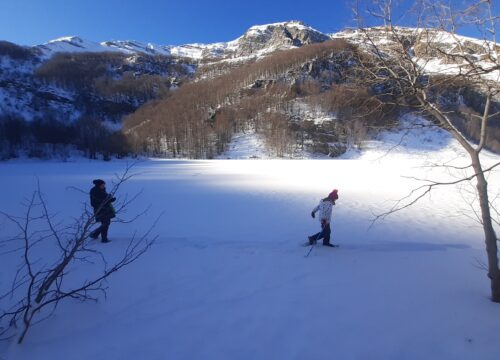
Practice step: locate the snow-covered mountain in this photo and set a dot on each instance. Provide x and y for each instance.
(423, 44)
(26, 93)
(257, 40)
(69, 78)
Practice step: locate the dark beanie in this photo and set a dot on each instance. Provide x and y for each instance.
(98, 182)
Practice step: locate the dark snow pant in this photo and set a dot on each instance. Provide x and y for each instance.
(323, 234)
(102, 230)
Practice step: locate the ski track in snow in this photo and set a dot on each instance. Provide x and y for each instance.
(227, 278)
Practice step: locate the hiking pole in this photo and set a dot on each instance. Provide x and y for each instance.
(314, 244)
(307, 255)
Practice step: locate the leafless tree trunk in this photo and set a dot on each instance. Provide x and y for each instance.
(406, 82)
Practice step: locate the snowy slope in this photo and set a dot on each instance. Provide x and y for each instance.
(434, 63)
(247, 145)
(74, 44)
(227, 278)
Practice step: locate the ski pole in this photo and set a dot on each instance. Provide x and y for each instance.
(315, 241)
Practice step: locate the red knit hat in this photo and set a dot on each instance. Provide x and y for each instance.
(333, 195)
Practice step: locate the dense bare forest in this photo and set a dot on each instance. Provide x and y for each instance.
(79, 99)
(111, 74)
(267, 95)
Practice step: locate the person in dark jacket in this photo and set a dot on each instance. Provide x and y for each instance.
(103, 209)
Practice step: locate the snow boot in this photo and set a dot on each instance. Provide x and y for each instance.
(312, 240)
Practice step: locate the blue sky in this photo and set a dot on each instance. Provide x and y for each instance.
(30, 22)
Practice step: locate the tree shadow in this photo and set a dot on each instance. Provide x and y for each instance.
(405, 246)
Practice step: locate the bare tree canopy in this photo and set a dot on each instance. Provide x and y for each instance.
(403, 71)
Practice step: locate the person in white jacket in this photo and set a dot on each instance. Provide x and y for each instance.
(325, 217)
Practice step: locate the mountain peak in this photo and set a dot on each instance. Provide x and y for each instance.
(283, 23)
(297, 24)
(68, 39)
(263, 39)
(71, 44)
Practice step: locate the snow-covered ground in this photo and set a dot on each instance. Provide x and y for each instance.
(227, 278)
(247, 145)
(251, 145)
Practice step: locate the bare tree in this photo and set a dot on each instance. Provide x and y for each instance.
(398, 70)
(51, 251)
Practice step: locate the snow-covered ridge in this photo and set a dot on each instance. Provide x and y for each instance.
(72, 44)
(477, 50)
(256, 29)
(230, 49)
(257, 41)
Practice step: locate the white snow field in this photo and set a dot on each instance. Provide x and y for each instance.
(227, 277)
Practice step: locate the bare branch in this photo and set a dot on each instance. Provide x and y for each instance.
(38, 285)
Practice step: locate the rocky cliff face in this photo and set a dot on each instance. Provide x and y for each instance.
(259, 40)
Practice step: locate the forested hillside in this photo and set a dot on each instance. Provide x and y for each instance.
(300, 91)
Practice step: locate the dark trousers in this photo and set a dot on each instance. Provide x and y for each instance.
(323, 234)
(102, 230)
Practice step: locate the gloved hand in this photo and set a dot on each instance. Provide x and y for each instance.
(313, 215)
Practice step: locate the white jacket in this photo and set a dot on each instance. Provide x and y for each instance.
(325, 210)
